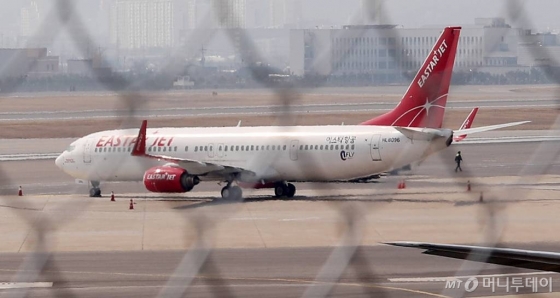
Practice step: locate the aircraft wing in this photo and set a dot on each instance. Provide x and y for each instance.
(529, 259)
(194, 167)
(487, 128)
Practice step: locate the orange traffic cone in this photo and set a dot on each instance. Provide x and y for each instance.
(131, 205)
(469, 185)
(20, 192)
(400, 185)
(403, 184)
(112, 196)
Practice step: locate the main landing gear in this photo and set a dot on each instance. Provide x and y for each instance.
(285, 190)
(95, 191)
(232, 192)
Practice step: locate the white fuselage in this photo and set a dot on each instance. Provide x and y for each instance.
(297, 153)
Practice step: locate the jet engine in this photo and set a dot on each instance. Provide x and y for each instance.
(169, 179)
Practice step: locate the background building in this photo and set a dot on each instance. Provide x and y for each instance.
(230, 13)
(285, 13)
(140, 24)
(27, 62)
(386, 51)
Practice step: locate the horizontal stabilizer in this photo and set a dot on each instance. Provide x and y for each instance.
(423, 133)
(487, 128)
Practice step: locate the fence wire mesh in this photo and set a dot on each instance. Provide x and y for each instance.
(198, 258)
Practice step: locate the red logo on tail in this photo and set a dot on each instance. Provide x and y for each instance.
(423, 104)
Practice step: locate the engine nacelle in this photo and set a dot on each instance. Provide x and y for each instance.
(168, 179)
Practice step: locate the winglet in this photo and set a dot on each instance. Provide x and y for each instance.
(466, 124)
(140, 146)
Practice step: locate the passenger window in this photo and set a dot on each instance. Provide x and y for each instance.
(262, 147)
(336, 147)
(114, 149)
(267, 147)
(242, 148)
(195, 148)
(347, 147)
(206, 148)
(236, 148)
(186, 148)
(119, 149)
(273, 147)
(332, 147)
(257, 147)
(159, 149)
(175, 148)
(306, 148)
(211, 149)
(164, 148)
(352, 147)
(225, 148)
(321, 147)
(284, 147)
(316, 147)
(300, 147)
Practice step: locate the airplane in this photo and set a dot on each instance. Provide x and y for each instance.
(175, 160)
(521, 258)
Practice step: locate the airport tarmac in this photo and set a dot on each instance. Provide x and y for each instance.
(379, 271)
(275, 247)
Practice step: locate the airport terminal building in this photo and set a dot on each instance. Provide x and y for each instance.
(389, 50)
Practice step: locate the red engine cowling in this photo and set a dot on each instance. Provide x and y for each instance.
(168, 179)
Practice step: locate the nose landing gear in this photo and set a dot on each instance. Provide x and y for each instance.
(95, 191)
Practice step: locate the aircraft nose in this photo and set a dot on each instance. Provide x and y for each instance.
(58, 161)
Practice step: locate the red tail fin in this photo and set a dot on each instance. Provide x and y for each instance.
(140, 146)
(423, 104)
(466, 124)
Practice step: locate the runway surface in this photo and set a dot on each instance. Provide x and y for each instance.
(263, 110)
(378, 271)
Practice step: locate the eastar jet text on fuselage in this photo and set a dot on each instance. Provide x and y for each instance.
(170, 160)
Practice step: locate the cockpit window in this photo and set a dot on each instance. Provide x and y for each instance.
(70, 148)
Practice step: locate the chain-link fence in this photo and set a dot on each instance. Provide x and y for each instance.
(63, 16)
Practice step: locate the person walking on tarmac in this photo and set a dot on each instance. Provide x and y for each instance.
(458, 160)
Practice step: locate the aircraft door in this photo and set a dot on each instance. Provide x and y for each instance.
(374, 148)
(294, 147)
(87, 150)
(211, 150)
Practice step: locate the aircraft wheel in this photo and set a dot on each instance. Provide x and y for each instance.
(291, 190)
(280, 190)
(233, 193)
(95, 192)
